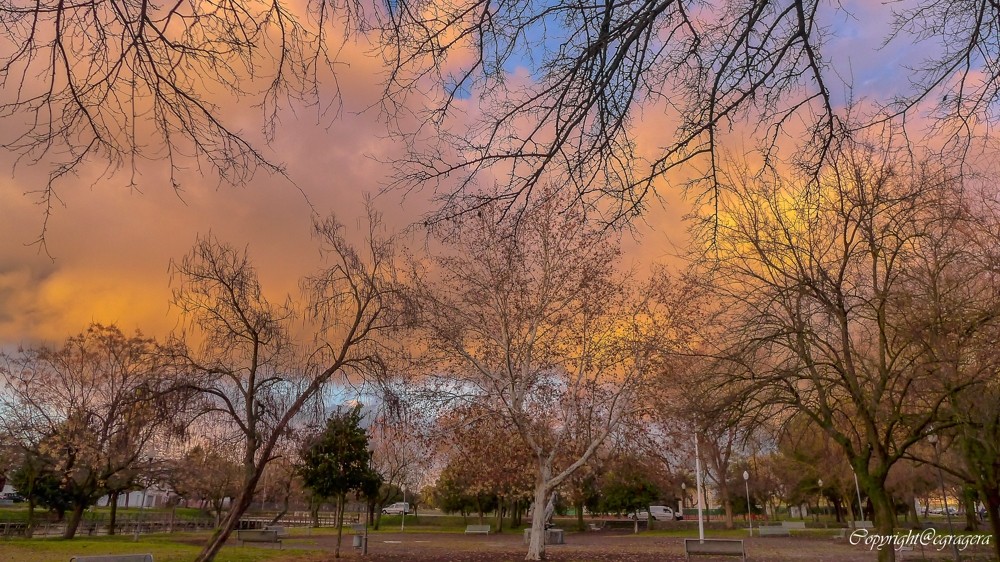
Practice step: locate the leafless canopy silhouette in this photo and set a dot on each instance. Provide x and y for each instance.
(510, 94)
(594, 70)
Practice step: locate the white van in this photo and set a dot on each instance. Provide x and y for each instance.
(398, 508)
(659, 513)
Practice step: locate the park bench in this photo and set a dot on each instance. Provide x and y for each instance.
(114, 558)
(794, 525)
(258, 535)
(282, 531)
(597, 525)
(774, 531)
(714, 547)
(480, 529)
(13, 529)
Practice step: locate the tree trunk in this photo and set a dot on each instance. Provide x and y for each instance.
(580, 525)
(340, 524)
(969, 502)
(31, 517)
(885, 516)
(113, 512)
(536, 546)
(74, 520)
(728, 504)
(992, 500)
(284, 504)
(236, 510)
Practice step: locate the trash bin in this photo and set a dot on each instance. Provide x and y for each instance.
(357, 540)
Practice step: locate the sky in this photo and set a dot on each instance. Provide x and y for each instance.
(108, 246)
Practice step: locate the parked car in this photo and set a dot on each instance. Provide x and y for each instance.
(659, 513)
(14, 497)
(398, 508)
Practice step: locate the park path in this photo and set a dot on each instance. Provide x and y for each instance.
(597, 547)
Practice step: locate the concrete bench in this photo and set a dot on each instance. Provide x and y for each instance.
(114, 558)
(774, 531)
(282, 531)
(864, 525)
(477, 529)
(552, 536)
(794, 525)
(258, 535)
(714, 547)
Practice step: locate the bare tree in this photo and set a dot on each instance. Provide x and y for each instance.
(249, 364)
(89, 410)
(562, 87)
(118, 82)
(531, 322)
(853, 303)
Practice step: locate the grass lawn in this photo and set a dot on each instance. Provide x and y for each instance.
(179, 547)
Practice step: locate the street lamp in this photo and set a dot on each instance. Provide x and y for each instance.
(861, 506)
(701, 497)
(933, 438)
(746, 483)
(683, 496)
(819, 496)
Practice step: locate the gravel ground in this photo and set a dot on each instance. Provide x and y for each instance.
(453, 547)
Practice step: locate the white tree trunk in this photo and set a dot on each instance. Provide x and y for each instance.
(536, 547)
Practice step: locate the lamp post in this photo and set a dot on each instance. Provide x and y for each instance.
(933, 438)
(819, 496)
(861, 506)
(683, 496)
(701, 498)
(364, 539)
(746, 483)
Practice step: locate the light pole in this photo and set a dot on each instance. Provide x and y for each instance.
(402, 522)
(746, 482)
(861, 506)
(933, 438)
(701, 498)
(683, 496)
(819, 496)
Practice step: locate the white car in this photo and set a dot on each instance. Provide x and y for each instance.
(398, 508)
(659, 513)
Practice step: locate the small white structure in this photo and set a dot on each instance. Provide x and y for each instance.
(147, 498)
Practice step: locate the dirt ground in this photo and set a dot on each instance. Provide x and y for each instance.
(453, 547)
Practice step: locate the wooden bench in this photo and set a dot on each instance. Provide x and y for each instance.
(114, 558)
(477, 529)
(258, 535)
(714, 547)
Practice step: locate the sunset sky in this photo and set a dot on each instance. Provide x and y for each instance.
(108, 247)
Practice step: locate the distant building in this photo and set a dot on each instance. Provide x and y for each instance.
(148, 498)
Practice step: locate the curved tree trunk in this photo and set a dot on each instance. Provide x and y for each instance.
(236, 510)
(74, 520)
(113, 512)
